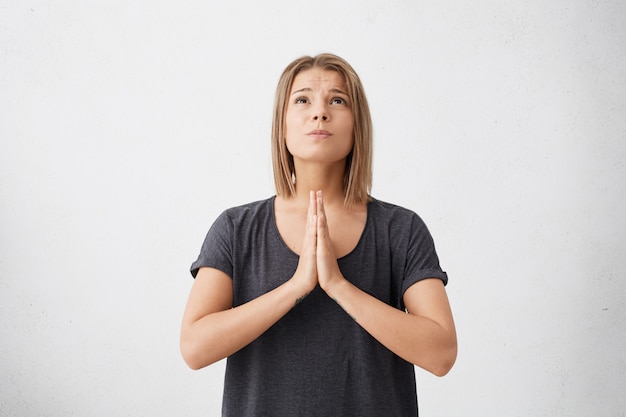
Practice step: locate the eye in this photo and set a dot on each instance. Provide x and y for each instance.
(338, 100)
(301, 100)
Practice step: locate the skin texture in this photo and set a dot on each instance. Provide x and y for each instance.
(327, 136)
(320, 228)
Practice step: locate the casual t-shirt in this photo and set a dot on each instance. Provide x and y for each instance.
(316, 360)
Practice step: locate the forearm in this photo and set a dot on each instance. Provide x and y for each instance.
(419, 340)
(220, 334)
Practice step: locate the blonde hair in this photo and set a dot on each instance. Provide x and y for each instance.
(358, 172)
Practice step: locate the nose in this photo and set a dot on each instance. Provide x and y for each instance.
(320, 113)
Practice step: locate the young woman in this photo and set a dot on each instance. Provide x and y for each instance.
(322, 298)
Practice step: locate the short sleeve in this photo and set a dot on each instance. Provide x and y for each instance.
(216, 251)
(422, 261)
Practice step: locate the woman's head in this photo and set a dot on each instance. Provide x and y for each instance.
(358, 170)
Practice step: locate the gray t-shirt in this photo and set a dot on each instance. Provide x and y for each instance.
(316, 360)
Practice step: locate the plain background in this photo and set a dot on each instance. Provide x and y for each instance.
(126, 127)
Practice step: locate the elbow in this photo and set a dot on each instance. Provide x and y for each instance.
(192, 364)
(192, 355)
(199, 352)
(442, 368)
(444, 362)
(189, 357)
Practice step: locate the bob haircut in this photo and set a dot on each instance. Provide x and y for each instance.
(357, 181)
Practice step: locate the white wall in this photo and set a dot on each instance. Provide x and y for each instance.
(126, 127)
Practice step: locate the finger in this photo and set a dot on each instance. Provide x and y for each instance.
(312, 203)
(310, 212)
(312, 219)
(320, 204)
(322, 220)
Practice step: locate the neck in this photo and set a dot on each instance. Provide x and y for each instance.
(327, 178)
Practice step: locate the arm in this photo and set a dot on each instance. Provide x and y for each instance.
(424, 336)
(212, 330)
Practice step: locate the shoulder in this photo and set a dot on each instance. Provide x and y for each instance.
(382, 210)
(252, 206)
(251, 216)
(399, 221)
(249, 210)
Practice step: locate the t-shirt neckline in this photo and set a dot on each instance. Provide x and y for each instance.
(292, 253)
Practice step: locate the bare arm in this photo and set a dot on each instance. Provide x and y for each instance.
(424, 336)
(212, 330)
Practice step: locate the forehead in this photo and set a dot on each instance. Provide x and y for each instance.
(318, 78)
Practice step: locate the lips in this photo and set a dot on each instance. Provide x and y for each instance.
(319, 134)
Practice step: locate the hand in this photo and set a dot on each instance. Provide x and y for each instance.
(328, 272)
(306, 272)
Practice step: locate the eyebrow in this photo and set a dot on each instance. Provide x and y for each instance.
(332, 90)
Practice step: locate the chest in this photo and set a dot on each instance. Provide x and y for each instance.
(345, 229)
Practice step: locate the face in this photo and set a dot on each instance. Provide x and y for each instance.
(319, 121)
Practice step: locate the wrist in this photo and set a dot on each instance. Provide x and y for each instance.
(298, 290)
(335, 287)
